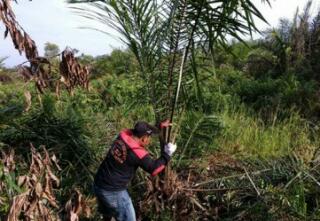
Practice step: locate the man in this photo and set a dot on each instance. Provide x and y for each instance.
(126, 154)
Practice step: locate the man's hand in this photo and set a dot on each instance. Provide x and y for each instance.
(170, 148)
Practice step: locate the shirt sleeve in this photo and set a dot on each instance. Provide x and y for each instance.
(154, 166)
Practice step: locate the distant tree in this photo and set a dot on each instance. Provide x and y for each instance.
(277, 42)
(51, 50)
(260, 63)
(300, 36)
(86, 59)
(284, 29)
(121, 62)
(118, 62)
(296, 44)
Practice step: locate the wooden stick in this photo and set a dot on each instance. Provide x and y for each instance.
(197, 204)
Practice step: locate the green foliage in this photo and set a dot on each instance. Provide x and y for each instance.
(249, 135)
(61, 131)
(198, 134)
(258, 92)
(121, 62)
(51, 50)
(86, 59)
(11, 101)
(9, 188)
(260, 63)
(117, 63)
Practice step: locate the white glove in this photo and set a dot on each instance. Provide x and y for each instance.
(170, 148)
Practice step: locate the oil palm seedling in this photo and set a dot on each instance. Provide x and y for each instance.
(165, 35)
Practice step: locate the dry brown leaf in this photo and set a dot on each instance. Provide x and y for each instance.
(38, 201)
(27, 96)
(76, 206)
(8, 161)
(25, 72)
(22, 180)
(72, 73)
(16, 206)
(38, 189)
(54, 179)
(55, 161)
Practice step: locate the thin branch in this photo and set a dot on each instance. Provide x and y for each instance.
(213, 190)
(293, 179)
(313, 178)
(251, 181)
(195, 202)
(231, 177)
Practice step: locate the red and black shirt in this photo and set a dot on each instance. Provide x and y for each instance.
(122, 161)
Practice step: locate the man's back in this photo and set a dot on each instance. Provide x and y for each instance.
(122, 161)
(118, 167)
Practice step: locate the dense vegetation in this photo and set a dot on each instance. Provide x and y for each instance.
(249, 108)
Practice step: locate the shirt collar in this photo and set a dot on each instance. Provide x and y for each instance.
(127, 136)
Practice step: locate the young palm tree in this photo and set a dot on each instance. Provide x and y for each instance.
(164, 35)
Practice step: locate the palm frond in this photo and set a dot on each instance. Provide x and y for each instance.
(161, 33)
(198, 131)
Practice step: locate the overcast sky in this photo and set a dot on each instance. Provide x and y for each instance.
(52, 21)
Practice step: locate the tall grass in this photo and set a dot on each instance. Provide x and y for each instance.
(246, 134)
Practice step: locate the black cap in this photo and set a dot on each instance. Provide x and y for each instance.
(142, 128)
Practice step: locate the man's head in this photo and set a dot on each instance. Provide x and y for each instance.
(143, 131)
